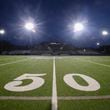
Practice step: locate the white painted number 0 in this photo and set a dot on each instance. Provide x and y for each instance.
(93, 85)
(15, 85)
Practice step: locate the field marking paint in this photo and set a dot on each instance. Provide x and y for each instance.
(43, 98)
(54, 88)
(93, 85)
(16, 84)
(45, 57)
(101, 64)
(98, 63)
(84, 97)
(24, 98)
(17, 61)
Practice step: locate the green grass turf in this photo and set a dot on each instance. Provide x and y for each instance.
(64, 65)
(25, 105)
(32, 65)
(85, 105)
(6, 59)
(82, 66)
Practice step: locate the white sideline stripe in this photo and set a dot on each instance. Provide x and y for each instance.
(17, 61)
(24, 98)
(43, 98)
(54, 89)
(84, 97)
(95, 63)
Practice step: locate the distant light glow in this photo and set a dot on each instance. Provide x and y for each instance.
(84, 50)
(30, 26)
(105, 33)
(2, 31)
(78, 27)
(97, 43)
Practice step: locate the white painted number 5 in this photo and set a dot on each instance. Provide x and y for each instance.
(17, 86)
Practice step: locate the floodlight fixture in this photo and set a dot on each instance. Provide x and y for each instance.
(2, 31)
(30, 26)
(105, 33)
(78, 27)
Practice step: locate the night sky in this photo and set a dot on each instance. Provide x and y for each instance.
(53, 18)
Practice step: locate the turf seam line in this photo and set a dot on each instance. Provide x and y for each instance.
(54, 88)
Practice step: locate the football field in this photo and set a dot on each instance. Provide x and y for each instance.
(54, 83)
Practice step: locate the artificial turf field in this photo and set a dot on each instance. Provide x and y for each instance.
(37, 83)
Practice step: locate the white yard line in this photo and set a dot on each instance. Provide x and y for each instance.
(98, 63)
(94, 62)
(24, 98)
(17, 61)
(54, 88)
(43, 98)
(84, 97)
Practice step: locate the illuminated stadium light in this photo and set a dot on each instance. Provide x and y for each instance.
(30, 26)
(78, 27)
(97, 43)
(105, 33)
(2, 31)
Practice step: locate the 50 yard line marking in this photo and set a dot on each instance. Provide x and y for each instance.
(54, 88)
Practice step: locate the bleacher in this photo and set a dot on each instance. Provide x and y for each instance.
(52, 49)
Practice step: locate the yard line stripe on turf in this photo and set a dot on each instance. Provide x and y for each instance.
(24, 98)
(84, 97)
(17, 61)
(54, 88)
(98, 63)
(43, 98)
(101, 64)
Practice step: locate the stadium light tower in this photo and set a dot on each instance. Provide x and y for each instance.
(78, 27)
(2, 31)
(105, 33)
